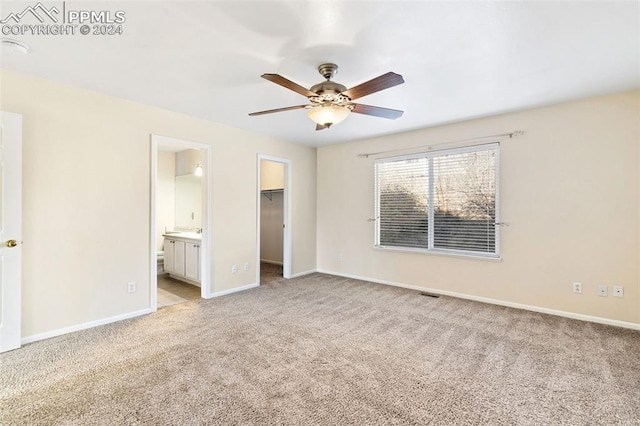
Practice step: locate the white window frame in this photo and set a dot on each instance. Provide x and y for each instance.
(431, 249)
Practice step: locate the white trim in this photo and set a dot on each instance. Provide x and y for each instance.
(300, 274)
(440, 252)
(273, 262)
(153, 272)
(496, 218)
(565, 314)
(84, 326)
(431, 232)
(287, 195)
(234, 290)
(205, 243)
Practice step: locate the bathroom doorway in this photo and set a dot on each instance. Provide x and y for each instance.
(274, 212)
(180, 235)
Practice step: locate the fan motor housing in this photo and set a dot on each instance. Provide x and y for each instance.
(328, 87)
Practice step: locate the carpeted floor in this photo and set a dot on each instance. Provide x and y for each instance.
(326, 350)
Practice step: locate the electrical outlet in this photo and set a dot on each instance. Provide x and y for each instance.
(246, 266)
(577, 287)
(618, 291)
(131, 287)
(602, 290)
(340, 257)
(234, 269)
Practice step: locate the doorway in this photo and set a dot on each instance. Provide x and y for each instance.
(180, 234)
(273, 219)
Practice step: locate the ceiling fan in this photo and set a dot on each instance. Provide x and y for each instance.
(331, 102)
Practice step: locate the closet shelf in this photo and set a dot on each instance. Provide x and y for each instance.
(269, 193)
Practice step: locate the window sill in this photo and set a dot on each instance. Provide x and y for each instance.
(439, 253)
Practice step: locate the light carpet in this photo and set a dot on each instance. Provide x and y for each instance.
(327, 350)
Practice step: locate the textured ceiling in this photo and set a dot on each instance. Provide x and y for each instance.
(460, 60)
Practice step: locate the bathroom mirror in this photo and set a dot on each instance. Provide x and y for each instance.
(188, 202)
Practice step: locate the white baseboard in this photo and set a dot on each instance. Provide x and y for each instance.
(84, 326)
(273, 262)
(96, 323)
(232, 290)
(300, 274)
(572, 315)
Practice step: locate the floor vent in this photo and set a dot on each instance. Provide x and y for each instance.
(435, 296)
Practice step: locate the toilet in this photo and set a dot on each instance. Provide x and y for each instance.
(160, 256)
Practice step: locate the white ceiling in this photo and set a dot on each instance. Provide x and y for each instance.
(460, 60)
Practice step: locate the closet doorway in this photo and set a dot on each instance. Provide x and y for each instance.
(274, 212)
(180, 235)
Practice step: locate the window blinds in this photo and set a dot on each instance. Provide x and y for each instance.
(441, 201)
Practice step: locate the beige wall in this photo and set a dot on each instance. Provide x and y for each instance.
(271, 175)
(569, 189)
(86, 200)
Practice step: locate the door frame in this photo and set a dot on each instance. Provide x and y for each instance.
(158, 142)
(11, 300)
(286, 238)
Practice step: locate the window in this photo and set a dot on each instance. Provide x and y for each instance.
(445, 201)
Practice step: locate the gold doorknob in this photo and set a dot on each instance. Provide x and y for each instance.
(11, 243)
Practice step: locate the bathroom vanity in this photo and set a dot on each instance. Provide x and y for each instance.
(182, 256)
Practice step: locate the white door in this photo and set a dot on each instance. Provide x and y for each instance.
(10, 229)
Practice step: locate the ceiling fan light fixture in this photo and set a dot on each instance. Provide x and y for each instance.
(331, 102)
(327, 115)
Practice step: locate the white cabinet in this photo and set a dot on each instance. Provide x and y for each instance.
(169, 256)
(179, 246)
(192, 261)
(182, 259)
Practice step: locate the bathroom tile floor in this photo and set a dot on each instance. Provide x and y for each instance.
(172, 292)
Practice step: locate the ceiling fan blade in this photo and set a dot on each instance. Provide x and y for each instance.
(377, 111)
(320, 127)
(270, 111)
(278, 79)
(377, 84)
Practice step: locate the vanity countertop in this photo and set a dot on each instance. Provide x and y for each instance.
(183, 235)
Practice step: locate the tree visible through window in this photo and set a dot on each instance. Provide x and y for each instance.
(444, 201)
